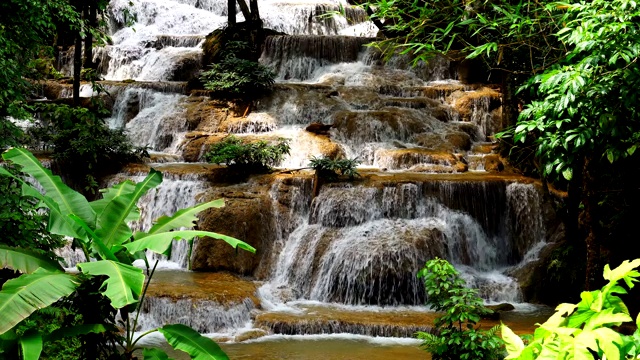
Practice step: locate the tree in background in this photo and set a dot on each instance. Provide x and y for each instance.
(26, 27)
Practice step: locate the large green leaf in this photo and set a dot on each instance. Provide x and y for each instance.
(97, 245)
(69, 201)
(184, 338)
(125, 282)
(109, 194)
(183, 218)
(26, 261)
(160, 243)
(22, 296)
(513, 343)
(154, 354)
(59, 223)
(31, 346)
(112, 225)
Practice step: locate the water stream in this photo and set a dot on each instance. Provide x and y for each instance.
(353, 246)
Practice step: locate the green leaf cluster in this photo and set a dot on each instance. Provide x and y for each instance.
(256, 156)
(455, 336)
(585, 330)
(329, 168)
(84, 147)
(586, 106)
(235, 77)
(101, 228)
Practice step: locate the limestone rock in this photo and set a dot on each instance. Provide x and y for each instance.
(245, 216)
(493, 163)
(420, 160)
(250, 335)
(319, 128)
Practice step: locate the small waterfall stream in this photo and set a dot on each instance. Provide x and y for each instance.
(355, 247)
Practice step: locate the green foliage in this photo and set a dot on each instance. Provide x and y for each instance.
(257, 156)
(329, 168)
(587, 105)
(235, 77)
(21, 222)
(503, 33)
(454, 336)
(84, 147)
(111, 277)
(585, 330)
(20, 44)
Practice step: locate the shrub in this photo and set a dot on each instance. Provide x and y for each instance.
(235, 77)
(253, 157)
(84, 147)
(585, 330)
(454, 336)
(329, 168)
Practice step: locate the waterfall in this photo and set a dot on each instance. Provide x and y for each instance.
(364, 245)
(355, 247)
(151, 118)
(204, 316)
(169, 197)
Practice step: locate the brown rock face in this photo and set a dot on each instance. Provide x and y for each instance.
(421, 160)
(247, 216)
(493, 163)
(319, 128)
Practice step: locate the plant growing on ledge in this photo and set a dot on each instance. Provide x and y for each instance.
(328, 168)
(259, 156)
(454, 336)
(234, 77)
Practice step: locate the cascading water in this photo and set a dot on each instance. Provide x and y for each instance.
(364, 245)
(354, 246)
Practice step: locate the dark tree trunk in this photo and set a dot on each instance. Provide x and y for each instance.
(255, 13)
(245, 10)
(598, 253)
(91, 15)
(77, 68)
(231, 9)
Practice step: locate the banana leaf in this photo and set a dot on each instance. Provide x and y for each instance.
(124, 283)
(23, 295)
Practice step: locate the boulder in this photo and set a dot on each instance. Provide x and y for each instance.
(319, 128)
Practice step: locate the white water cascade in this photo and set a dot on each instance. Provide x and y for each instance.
(350, 246)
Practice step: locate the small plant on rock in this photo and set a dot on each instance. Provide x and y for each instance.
(259, 156)
(330, 169)
(235, 77)
(455, 336)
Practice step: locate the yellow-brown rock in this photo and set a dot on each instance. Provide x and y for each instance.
(493, 163)
(420, 160)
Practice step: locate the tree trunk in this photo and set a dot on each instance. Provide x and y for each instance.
(255, 14)
(598, 252)
(91, 15)
(77, 68)
(245, 10)
(231, 9)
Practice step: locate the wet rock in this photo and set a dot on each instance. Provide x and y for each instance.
(186, 68)
(493, 163)
(460, 141)
(319, 128)
(421, 160)
(246, 216)
(469, 103)
(501, 307)
(250, 335)
(324, 320)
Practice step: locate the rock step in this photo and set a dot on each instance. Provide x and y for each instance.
(331, 320)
